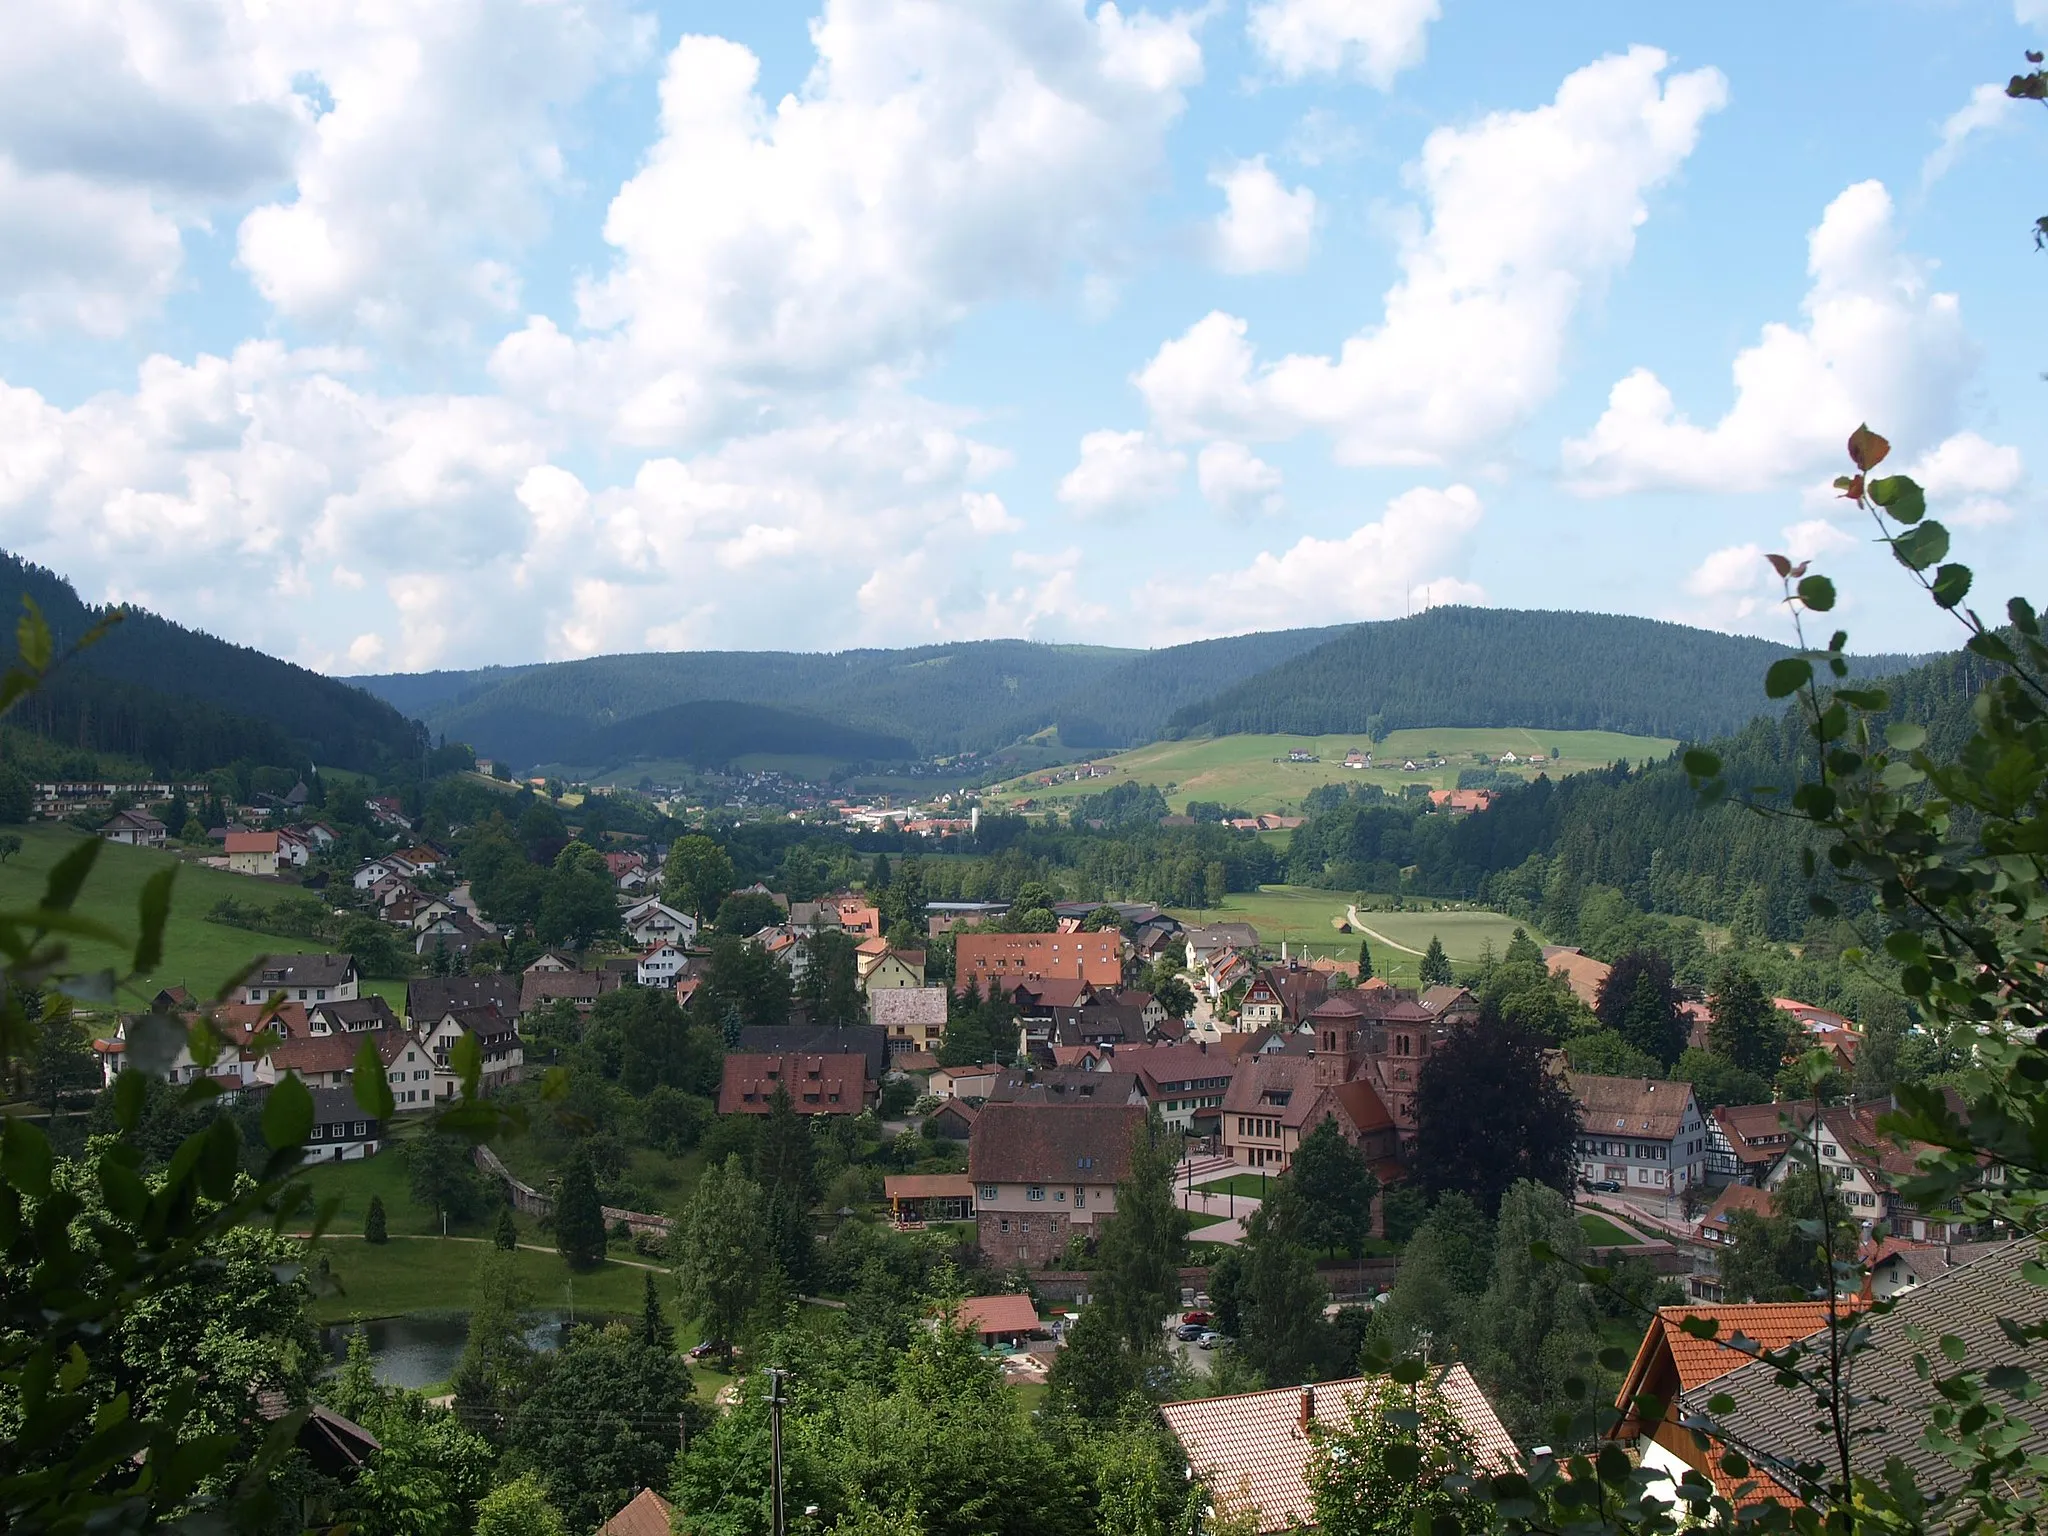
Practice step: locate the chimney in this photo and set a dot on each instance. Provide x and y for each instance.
(1308, 1408)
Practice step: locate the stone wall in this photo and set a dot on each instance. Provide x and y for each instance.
(536, 1203)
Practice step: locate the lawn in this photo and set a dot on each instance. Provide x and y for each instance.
(429, 1274)
(1602, 1233)
(198, 954)
(1252, 772)
(1307, 918)
(1250, 1185)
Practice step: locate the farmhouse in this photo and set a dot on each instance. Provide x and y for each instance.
(1043, 1175)
(252, 853)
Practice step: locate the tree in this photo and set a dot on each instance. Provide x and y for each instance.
(602, 1421)
(784, 1163)
(496, 1362)
(442, 1175)
(1716, 1080)
(831, 980)
(1488, 1112)
(1603, 1053)
(1535, 1319)
(1279, 1302)
(1137, 1273)
(577, 905)
(1364, 962)
(17, 795)
(1383, 1469)
(747, 978)
(744, 914)
(718, 1249)
(519, 1508)
(1436, 965)
(579, 1216)
(1746, 1028)
(1096, 1371)
(373, 1222)
(655, 1331)
(10, 845)
(506, 1237)
(425, 1477)
(1779, 1257)
(1175, 995)
(374, 943)
(1332, 1189)
(1638, 1002)
(697, 876)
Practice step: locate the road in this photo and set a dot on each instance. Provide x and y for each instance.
(1351, 916)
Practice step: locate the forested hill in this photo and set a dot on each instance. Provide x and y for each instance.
(182, 701)
(976, 696)
(1498, 667)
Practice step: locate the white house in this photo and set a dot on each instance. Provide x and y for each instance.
(303, 979)
(660, 965)
(1642, 1134)
(654, 922)
(388, 867)
(138, 829)
(343, 1131)
(294, 848)
(504, 1054)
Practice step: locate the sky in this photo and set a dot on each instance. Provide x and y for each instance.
(392, 335)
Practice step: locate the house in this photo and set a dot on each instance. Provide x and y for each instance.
(1043, 1175)
(1460, 802)
(303, 979)
(816, 1084)
(892, 968)
(1642, 1134)
(1281, 997)
(912, 1018)
(454, 934)
(550, 960)
(648, 1514)
(995, 960)
(497, 1036)
(944, 916)
(655, 922)
(1449, 1005)
(1717, 1223)
(321, 835)
(973, 1082)
(953, 1120)
(1581, 972)
(425, 912)
(583, 988)
(999, 1321)
(343, 1131)
(660, 965)
(295, 848)
(1744, 1141)
(252, 853)
(1251, 1449)
(1207, 941)
(1271, 1104)
(857, 917)
(862, 1040)
(427, 998)
(1868, 1169)
(1185, 1083)
(376, 871)
(1224, 969)
(1895, 1266)
(1064, 1087)
(356, 1016)
(137, 829)
(409, 1070)
(1150, 1009)
(319, 1061)
(1895, 1393)
(916, 1198)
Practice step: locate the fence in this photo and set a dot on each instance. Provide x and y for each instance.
(538, 1204)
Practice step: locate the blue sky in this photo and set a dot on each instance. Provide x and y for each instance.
(445, 332)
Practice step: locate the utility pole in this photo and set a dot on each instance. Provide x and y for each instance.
(775, 1402)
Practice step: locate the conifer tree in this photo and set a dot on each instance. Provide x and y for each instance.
(1436, 965)
(579, 1216)
(373, 1221)
(1364, 962)
(507, 1235)
(655, 1332)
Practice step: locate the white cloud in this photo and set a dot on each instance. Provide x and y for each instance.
(1408, 560)
(1525, 211)
(1968, 480)
(2030, 13)
(1263, 227)
(1237, 482)
(1373, 39)
(1122, 472)
(1987, 109)
(926, 596)
(1737, 586)
(937, 157)
(1877, 347)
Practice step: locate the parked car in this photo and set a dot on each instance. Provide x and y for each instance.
(709, 1348)
(1602, 1186)
(1209, 1339)
(1201, 1318)
(1188, 1333)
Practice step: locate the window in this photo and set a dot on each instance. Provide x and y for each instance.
(988, 1192)
(360, 1127)
(1004, 1224)
(1080, 1196)
(1034, 1192)
(1060, 1196)
(320, 996)
(319, 1133)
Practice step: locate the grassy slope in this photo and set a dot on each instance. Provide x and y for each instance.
(1252, 772)
(1602, 1233)
(1306, 918)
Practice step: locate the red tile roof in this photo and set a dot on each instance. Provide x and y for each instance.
(1053, 1143)
(928, 1186)
(817, 1085)
(999, 1314)
(649, 1514)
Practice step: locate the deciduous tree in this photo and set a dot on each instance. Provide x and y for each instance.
(719, 1250)
(1488, 1112)
(697, 876)
(1332, 1188)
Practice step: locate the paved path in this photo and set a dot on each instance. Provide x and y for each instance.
(428, 1237)
(1351, 914)
(1674, 1228)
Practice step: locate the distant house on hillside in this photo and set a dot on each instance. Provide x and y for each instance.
(138, 829)
(252, 853)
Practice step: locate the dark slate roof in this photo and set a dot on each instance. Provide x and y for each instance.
(282, 971)
(820, 1040)
(1064, 1087)
(430, 997)
(1775, 1425)
(338, 1106)
(1048, 1144)
(357, 1014)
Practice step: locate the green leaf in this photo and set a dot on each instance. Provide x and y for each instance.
(466, 1057)
(1402, 1461)
(1702, 764)
(1951, 583)
(1409, 1372)
(68, 874)
(1991, 647)
(220, 1159)
(288, 1117)
(25, 1158)
(1905, 736)
(1954, 1348)
(1720, 1405)
(1817, 593)
(373, 1091)
(130, 1089)
(1902, 499)
(32, 637)
(1787, 676)
(2023, 617)
(154, 909)
(1918, 548)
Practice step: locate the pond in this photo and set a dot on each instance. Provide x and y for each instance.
(421, 1350)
